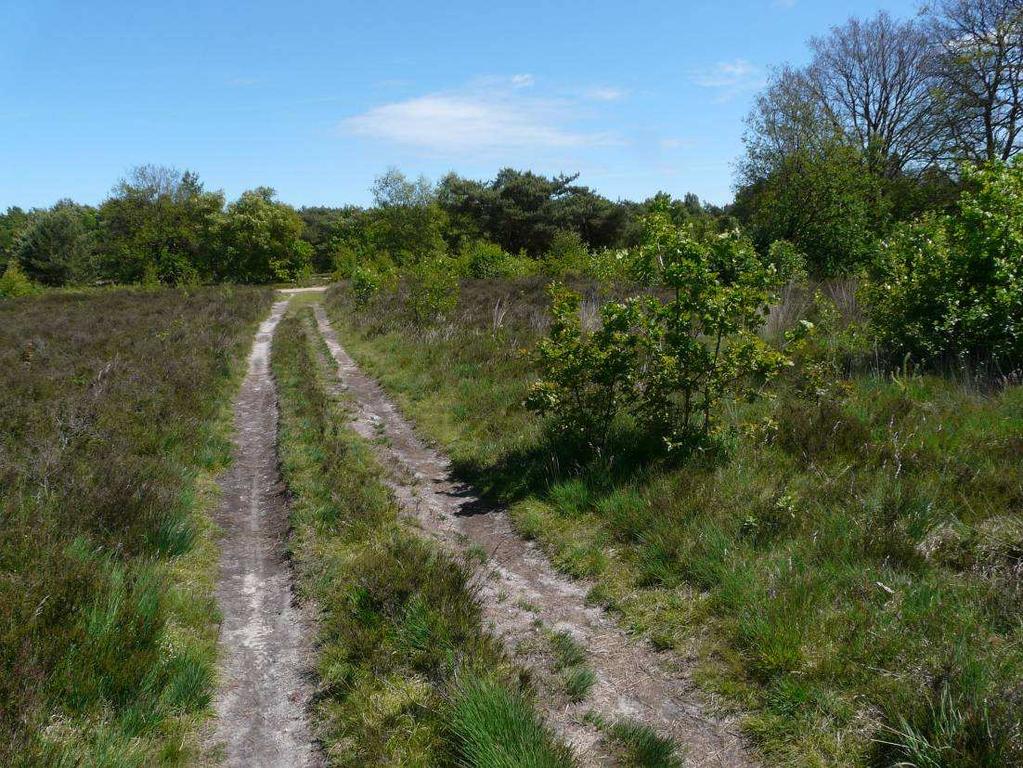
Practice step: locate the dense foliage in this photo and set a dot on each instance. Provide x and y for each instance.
(873, 130)
(666, 362)
(158, 226)
(950, 288)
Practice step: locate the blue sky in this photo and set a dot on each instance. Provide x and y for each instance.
(318, 98)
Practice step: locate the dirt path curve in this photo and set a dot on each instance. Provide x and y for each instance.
(633, 680)
(265, 642)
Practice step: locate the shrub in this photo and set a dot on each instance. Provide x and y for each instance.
(669, 362)
(14, 282)
(482, 259)
(787, 260)
(432, 289)
(613, 265)
(703, 343)
(366, 284)
(566, 256)
(950, 288)
(589, 378)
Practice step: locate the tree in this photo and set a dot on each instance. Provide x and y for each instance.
(523, 211)
(869, 84)
(57, 246)
(12, 224)
(873, 80)
(826, 202)
(321, 225)
(260, 240)
(407, 222)
(980, 76)
(159, 223)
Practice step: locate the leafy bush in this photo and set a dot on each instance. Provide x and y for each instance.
(14, 282)
(589, 377)
(567, 255)
(432, 289)
(482, 259)
(950, 288)
(704, 342)
(667, 361)
(366, 284)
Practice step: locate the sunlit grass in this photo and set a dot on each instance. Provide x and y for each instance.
(837, 568)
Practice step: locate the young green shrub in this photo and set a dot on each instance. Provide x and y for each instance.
(669, 362)
(612, 265)
(589, 377)
(566, 256)
(484, 260)
(345, 261)
(14, 282)
(366, 283)
(432, 290)
(788, 261)
(950, 288)
(703, 343)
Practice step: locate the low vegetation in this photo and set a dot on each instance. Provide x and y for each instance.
(845, 552)
(113, 422)
(407, 673)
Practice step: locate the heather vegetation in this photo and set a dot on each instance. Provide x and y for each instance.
(780, 436)
(112, 426)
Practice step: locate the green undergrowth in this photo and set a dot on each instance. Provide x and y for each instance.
(114, 421)
(408, 676)
(846, 565)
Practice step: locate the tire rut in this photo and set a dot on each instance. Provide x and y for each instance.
(519, 586)
(265, 646)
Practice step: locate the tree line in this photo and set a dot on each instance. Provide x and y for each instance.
(160, 225)
(876, 128)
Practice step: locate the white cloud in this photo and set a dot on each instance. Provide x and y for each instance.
(730, 78)
(606, 93)
(523, 81)
(475, 119)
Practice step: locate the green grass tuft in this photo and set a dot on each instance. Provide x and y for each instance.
(493, 727)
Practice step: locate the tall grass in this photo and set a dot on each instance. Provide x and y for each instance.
(408, 674)
(843, 564)
(113, 420)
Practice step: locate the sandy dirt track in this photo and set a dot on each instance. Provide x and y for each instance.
(518, 586)
(265, 641)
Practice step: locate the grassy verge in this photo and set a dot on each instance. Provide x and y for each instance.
(114, 421)
(850, 573)
(408, 675)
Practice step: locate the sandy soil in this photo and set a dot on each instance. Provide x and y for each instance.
(265, 641)
(519, 587)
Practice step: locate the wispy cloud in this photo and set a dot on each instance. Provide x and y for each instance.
(477, 119)
(523, 81)
(730, 78)
(605, 93)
